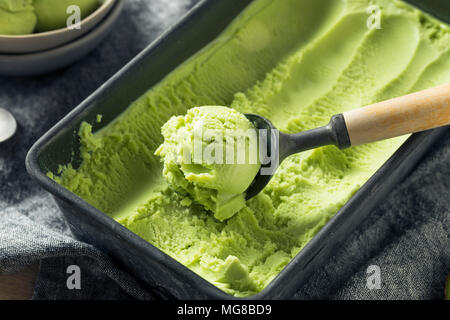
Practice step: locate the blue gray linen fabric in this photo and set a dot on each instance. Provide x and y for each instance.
(407, 236)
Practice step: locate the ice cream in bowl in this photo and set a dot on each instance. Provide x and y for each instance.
(35, 25)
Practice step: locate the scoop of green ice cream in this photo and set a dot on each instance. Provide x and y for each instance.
(52, 14)
(17, 17)
(211, 153)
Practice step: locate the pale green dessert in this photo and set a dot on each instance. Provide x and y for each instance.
(197, 161)
(296, 62)
(17, 17)
(52, 14)
(21, 17)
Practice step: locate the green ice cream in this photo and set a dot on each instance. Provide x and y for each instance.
(20, 17)
(17, 17)
(198, 162)
(296, 62)
(52, 14)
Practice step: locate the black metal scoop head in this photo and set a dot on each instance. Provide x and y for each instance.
(281, 145)
(261, 179)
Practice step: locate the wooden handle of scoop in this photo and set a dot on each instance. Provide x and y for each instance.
(392, 118)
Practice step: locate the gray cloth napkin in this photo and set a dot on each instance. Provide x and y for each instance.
(407, 236)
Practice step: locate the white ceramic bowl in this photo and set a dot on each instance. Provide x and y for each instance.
(46, 40)
(8, 125)
(56, 58)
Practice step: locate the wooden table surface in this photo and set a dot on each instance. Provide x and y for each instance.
(18, 286)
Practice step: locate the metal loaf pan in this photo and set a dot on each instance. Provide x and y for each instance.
(168, 277)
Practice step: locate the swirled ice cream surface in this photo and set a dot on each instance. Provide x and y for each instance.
(296, 62)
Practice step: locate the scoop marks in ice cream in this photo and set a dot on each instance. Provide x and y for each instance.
(201, 155)
(295, 62)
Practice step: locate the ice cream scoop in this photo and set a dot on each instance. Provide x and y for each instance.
(412, 113)
(208, 154)
(8, 125)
